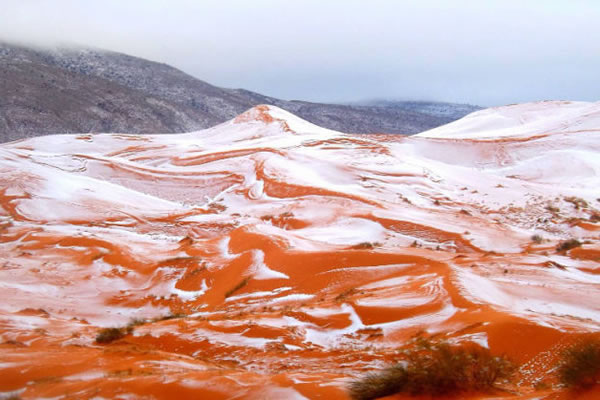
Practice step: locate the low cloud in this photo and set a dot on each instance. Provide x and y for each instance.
(493, 52)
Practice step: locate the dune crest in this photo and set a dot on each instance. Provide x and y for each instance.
(270, 258)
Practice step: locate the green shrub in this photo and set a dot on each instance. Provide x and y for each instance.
(435, 369)
(580, 365)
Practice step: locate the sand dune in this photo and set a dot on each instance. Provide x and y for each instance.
(301, 257)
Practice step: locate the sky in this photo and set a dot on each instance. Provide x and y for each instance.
(485, 52)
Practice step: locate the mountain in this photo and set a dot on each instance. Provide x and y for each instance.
(452, 111)
(86, 90)
(267, 257)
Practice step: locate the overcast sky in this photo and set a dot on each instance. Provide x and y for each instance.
(486, 52)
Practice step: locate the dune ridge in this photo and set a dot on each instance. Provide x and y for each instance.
(267, 257)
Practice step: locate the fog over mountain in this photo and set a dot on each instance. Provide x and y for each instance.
(80, 90)
(489, 53)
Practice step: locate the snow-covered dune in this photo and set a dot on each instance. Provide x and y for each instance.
(522, 120)
(300, 256)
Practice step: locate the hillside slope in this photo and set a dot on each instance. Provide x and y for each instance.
(523, 120)
(453, 111)
(269, 258)
(85, 90)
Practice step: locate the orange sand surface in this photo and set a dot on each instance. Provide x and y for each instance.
(290, 259)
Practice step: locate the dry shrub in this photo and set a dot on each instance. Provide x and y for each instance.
(435, 369)
(577, 202)
(345, 294)
(108, 335)
(237, 287)
(137, 322)
(169, 316)
(365, 246)
(537, 239)
(580, 365)
(390, 381)
(568, 245)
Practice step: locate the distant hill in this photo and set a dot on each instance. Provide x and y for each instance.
(89, 90)
(436, 109)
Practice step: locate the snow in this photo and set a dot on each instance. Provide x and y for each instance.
(521, 120)
(478, 338)
(299, 125)
(430, 322)
(309, 171)
(398, 281)
(89, 375)
(470, 194)
(541, 304)
(298, 297)
(276, 393)
(189, 295)
(258, 294)
(178, 365)
(256, 190)
(334, 337)
(261, 271)
(559, 167)
(229, 339)
(59, 195)
(346, 231)
(224, 248)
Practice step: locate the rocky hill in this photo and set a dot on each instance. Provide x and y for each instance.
(88, 90)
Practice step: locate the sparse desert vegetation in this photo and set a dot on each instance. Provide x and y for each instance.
(169, 316)
(237, 287)
(109, 335)
(435, 369)
(580, 365)
(537, 239)
(365, 246)
(568, 245)
(577, 202)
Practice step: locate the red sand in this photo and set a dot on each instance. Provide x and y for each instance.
(270, 312)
